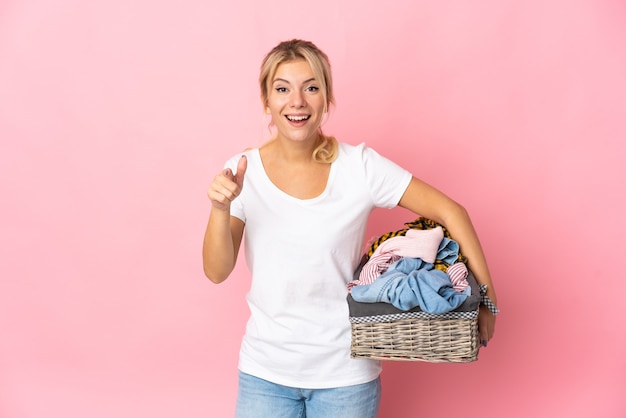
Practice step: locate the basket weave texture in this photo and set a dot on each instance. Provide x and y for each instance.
(385, 333)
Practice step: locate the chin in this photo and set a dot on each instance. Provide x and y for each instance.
(302, 137)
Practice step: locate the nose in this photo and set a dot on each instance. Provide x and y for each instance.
(298, 99)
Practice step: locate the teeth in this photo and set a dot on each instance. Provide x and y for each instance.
(297, 118)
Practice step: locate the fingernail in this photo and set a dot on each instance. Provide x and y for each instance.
(226, 171)
(484, 343)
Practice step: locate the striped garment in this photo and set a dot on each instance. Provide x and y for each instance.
(458, 276)
(375, 266)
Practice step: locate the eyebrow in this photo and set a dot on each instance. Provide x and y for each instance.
(286, 81)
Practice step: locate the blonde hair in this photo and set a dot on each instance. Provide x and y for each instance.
(296, 49)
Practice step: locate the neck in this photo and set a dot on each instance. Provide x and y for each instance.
(295, 151)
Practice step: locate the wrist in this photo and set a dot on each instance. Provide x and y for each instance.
(486, 301)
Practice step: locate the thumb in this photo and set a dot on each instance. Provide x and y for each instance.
(242, 165)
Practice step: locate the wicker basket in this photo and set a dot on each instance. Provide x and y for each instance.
(381, 331)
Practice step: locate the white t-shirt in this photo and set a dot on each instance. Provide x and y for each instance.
(302, 253)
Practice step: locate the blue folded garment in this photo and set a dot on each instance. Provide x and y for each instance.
(410, 282)
(448, 251)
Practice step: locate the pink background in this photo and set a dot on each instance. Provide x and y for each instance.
(116, 115)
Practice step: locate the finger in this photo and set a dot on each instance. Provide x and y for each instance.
(226, 187)
(484, 338)
(220, 196)
(223, 187)
(242, 166)
(486, 322)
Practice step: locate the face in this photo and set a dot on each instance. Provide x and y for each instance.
(296, 102)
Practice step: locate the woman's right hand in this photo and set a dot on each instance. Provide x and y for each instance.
(227, 186)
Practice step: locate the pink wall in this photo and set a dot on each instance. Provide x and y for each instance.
(115, 115)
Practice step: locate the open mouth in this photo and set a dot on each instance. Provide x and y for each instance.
(298, 118)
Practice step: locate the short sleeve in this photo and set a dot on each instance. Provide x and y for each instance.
(387, 181)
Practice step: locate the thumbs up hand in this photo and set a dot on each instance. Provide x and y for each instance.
(227, 185)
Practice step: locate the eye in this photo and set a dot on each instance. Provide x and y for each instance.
(281, 89)
(312, 89)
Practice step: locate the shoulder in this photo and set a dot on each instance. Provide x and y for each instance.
(369, 160)
(350, 148)
(361, 153)
(358, 151)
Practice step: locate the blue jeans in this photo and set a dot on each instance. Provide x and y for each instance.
(258, 398)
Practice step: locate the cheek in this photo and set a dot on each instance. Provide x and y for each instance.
(275, 111)
(276, 104)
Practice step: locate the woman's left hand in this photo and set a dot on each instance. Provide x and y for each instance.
(486, 325)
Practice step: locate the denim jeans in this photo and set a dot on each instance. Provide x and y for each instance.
(258, 398)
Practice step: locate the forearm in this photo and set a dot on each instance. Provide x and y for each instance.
(460, 226)
(219, 252)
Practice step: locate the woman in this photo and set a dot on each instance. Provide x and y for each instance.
(304, 200)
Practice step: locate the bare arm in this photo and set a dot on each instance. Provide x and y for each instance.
(429, 202)
(224, 232)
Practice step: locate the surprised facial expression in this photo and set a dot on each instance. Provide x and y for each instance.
(296, 102)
